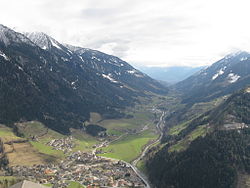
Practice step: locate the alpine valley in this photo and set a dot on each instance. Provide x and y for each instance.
(76, 117)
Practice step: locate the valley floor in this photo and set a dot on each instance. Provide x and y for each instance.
(45, 156)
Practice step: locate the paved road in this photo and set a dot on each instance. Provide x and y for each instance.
(133, 163)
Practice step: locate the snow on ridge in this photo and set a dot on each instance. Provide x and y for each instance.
(109, 78)
(233, 54)
(132, 71)
(8, 35)
(3, 37)
(54, 44)
(233, 77)
(4, 56)
(43, 40)
(243, 58)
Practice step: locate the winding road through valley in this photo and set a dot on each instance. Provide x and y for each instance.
(145, 150)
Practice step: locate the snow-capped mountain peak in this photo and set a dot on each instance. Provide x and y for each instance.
(43, 40)
(7, 36)
(226, 75)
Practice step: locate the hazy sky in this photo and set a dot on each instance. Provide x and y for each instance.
(142, 32)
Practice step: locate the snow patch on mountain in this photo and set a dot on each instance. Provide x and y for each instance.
(8, 35)
(4, 56)
(232, 77)
(136, 73)
(81, 58)
(73, 84)
(43, 40)
(54, 44)
(131, 71)
(243, 58)
(109, 78)
(93, 57)
(69, 52)
(220, 72)
(64, 59)
(39, 38)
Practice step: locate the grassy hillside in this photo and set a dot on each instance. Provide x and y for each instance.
(184, 143)
(21, 152)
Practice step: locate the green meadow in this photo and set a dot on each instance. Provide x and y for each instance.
(128, 147)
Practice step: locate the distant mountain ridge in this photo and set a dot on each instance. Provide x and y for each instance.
(170, 75)
(41, 79)
(223, 77)
(209, 149)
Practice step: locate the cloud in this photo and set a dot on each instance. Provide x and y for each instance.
(145, 32)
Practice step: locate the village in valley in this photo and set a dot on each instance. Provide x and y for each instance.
(41, 155)
(87, 169)
(83, 167)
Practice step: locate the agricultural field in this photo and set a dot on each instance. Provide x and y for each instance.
(21, 151)
(74, 184)
(44, 135)
(139, 120)
(37, 151)
(129, 147)
(84, 142)
(132, 135)
(27, 155)
(6, 133)
(140, 115)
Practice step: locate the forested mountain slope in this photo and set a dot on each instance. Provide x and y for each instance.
(215, 159)
(41, 79)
